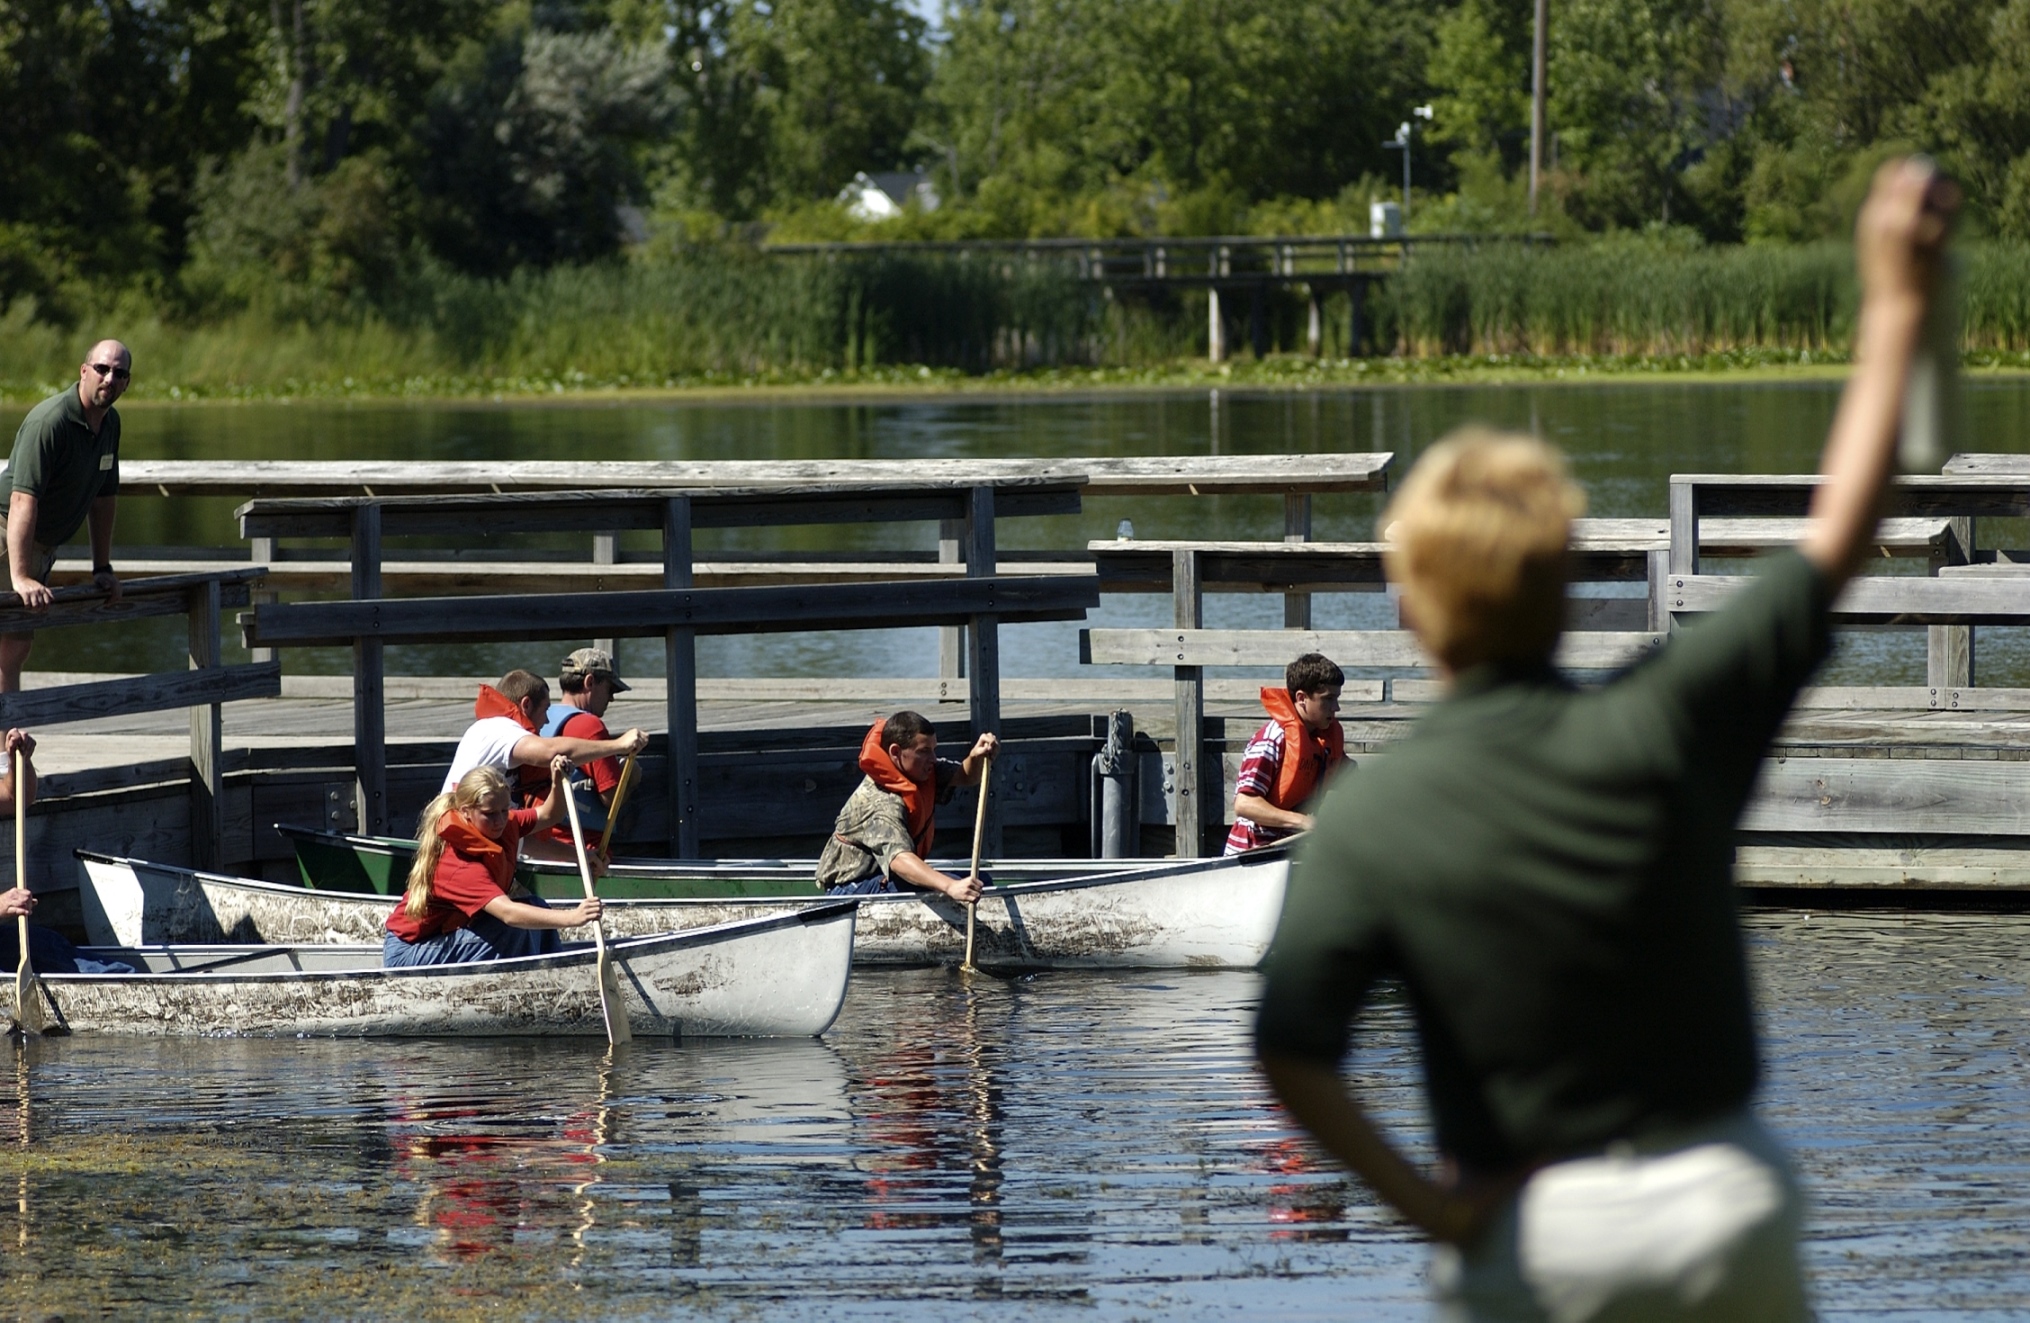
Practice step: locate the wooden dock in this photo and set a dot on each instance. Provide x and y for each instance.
(1874, 790)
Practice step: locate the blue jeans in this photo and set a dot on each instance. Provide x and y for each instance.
(874, 884)
(484, 938)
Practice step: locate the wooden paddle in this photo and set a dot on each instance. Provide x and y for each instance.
(979, 838)
(610, 1005)
(620, 790)
(28, 1014)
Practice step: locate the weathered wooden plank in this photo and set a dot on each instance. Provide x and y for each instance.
(983, 649)
(369, 670)
(1913, 795)
(140, 599)
(1823, 698)
(1979, 464)
(1192, 812)
(1373, 647)
(642, 614)
(1948, 600)
(1957, 867)
(130, 695)
(207, 732)
(1982, 495)
(1296, 531)
(1146, 475)
(680, 685)
(471, 515)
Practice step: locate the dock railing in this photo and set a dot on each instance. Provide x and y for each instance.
(204, 687)
(1965, 586)
(679, 611)
(1603, 633)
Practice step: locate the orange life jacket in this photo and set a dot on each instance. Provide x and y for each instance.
(468, 840)
(918, 799)
(493, 703)
(1307, 755)
(531, 784)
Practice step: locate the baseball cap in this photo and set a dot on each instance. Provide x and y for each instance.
(592, 661)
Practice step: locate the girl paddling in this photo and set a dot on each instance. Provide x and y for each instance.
(457, 906)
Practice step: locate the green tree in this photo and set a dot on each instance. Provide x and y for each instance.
(1629, 94)
(532, 140)
(1107, 115)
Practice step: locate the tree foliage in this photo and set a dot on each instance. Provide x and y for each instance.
(314, 155)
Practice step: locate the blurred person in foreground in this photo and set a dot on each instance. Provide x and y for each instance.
(1547, 870)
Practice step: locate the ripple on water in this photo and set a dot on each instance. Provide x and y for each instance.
(1089, 1143)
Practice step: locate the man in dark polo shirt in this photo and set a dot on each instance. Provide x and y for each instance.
(65, 470)
(1547, 871)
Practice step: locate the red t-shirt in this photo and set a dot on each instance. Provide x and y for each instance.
(605, 773)
(462, 886)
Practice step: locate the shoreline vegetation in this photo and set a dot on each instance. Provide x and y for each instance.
(738, 322)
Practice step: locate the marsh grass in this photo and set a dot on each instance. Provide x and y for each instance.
(732, 317)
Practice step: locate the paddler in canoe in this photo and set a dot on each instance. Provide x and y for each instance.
(457, 906)
(49, 951)
(883, 834)
(507, 734)
(1289, 759)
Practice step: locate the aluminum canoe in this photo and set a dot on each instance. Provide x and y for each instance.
(783, 976)
(1194, 913)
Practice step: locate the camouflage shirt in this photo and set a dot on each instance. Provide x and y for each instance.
(872, 829)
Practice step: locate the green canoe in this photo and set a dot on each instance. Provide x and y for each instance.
(340, 861)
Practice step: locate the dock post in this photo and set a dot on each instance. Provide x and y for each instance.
(951, 639)
(605, 549)
(1186, 589)
(1296, 528)
(983, 649)
(1215, 326)
(1949, 649)
(369, 687)
(1659, 616)
(1314, 327)
(263, 553)
(207, 735)
(680, 685)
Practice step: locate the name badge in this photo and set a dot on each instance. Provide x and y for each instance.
(105, 463)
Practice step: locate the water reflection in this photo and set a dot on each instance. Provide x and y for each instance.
(1091, 1142)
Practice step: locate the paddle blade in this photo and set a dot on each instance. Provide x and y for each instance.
(29, 1016)
(611, 1004)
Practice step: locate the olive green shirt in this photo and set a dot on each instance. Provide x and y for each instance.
(1548, 871)
(872, 828)
(58, 461)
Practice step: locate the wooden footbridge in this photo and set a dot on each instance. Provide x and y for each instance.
(1878, 789)
(1224, 267)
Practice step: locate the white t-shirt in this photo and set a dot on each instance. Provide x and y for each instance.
(488, 742)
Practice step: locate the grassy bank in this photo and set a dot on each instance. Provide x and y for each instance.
(737, 321)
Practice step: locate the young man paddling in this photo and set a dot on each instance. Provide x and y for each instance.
(883, 834)
(1289, 758)
(1548, 873)
(506, 733)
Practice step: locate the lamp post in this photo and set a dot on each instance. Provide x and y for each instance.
(1401, 142)
(1543, 20)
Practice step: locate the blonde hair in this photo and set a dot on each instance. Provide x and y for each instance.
(1476, 544)
(473, 787)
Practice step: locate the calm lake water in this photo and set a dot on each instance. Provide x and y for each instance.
(1625, 439)
(1094, 1146)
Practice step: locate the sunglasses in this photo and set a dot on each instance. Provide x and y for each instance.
(113, 370)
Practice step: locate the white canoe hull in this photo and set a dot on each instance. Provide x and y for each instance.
(1200, 913)
(784, 977)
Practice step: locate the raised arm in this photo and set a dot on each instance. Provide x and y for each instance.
(1899, 245)
(535, 750)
